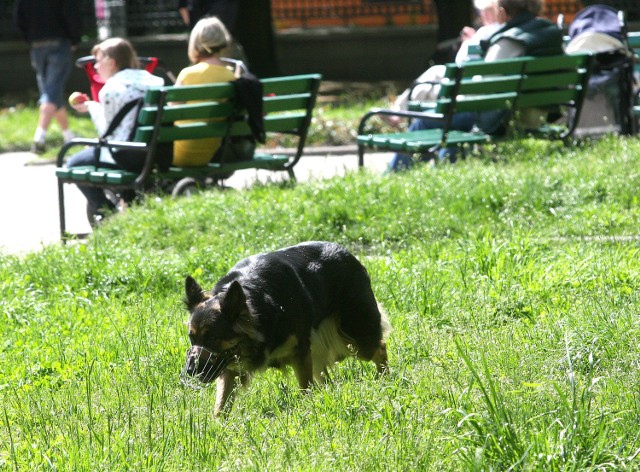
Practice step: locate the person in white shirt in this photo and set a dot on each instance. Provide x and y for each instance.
(117, 64)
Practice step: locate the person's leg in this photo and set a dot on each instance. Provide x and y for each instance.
(459, 121)
(39, 65)
(95, 196)
(52, 65)
(402, 161)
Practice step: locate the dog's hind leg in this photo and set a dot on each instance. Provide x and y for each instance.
(224, 386)
(303, 368)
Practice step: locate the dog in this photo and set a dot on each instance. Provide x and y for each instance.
(308, 306)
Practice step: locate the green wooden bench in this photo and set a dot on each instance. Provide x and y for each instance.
(287, 105)
(508, 84)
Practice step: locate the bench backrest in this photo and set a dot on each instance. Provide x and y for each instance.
(514, 83)
(287, 106)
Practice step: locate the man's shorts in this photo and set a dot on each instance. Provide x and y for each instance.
(52, 60)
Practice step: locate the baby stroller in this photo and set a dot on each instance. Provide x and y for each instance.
(608, 105)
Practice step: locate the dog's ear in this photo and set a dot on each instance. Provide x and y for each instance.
(193, 293)
(234, 301)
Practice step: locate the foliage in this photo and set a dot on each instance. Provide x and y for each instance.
(511, 283)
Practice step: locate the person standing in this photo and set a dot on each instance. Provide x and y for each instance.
(52, 28)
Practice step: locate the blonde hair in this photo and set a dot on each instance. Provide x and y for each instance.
(208, 37)
(120, 50)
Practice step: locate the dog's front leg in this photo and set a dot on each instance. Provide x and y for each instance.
(224, 386)
(303, 367)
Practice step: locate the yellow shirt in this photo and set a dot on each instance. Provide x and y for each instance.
(198, 152)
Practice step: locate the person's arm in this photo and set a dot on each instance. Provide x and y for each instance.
(184, 13)
(505, 48)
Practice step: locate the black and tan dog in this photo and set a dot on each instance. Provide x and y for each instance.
(308, 306)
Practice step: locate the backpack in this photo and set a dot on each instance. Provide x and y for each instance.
(248, 93)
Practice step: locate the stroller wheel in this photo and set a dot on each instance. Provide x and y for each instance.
(185, 187)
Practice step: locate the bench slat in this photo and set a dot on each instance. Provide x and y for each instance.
(218, 91)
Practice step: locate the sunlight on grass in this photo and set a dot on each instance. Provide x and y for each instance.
(511, 280)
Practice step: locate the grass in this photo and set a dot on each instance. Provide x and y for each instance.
(511, 284)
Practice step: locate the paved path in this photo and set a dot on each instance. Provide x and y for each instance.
(29, 194)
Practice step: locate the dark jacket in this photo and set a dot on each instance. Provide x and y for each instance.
(40, 20)
(540, 37)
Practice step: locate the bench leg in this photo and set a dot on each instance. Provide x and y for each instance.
(63, 228)
(360, 155)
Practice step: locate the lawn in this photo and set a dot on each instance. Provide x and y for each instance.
(511, 280)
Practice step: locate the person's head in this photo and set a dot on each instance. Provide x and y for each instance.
(113, 55)
(208, 37)
(512, 8)
(488, 11)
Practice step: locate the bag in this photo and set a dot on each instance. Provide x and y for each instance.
(248, 92)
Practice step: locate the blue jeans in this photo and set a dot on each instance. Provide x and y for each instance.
(52, 62)
(460, 121)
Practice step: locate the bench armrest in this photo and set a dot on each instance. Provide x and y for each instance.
(403, 113)
(96, 142)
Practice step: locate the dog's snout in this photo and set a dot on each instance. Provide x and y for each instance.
(191, 364)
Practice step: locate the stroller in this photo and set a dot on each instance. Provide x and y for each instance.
(608, 105)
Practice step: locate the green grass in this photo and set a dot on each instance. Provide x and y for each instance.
(511, 283)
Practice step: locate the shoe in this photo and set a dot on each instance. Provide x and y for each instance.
(68, 135)
(38, 147)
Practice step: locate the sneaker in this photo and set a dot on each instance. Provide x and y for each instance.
(38, 147)
(68, 135)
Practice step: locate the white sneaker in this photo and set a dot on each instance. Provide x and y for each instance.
(68, 135)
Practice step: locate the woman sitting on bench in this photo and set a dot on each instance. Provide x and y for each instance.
(207, 40)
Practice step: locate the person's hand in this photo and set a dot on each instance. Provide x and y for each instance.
(78, 102)
(467, 33)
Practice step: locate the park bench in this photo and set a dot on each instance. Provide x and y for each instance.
(508, 84)
(212, 111)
